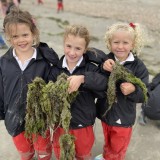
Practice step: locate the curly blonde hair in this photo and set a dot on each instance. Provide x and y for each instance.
(135, 30)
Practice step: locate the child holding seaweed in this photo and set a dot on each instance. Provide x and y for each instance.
(26, 59)
(124, 42)
(84, 77)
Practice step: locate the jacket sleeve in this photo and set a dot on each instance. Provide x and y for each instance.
(155, 82)
(142, 73)
(48, 53)
(2, 115)
(54, 72)
(95, 81)
(95, 55)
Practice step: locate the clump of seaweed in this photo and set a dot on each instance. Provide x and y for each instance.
(67, 147)
(52, 101)
(35, 117)
(119, 72)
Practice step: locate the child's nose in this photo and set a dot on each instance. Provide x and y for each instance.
(72, 52)
(120, 45)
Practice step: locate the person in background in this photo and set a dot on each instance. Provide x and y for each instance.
(3, 7)
(10, 4)
(124, 42)
(60, 6)
(86, 78)
(3, 45)
(39, 1)
(19, 1)
(26, 59)
(151, 109)
(16, 2)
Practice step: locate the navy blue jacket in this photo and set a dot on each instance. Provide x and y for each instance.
(123, 113)
(83, 109)
(151, 109)
(14, 81)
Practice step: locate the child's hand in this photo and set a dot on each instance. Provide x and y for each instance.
(127, 88)
(75, 82)
(108, 65)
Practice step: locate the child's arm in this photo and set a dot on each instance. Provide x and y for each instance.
(91, 80)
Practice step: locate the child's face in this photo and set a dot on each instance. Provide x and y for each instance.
(121, 44)
(74, 48)
(21, 38)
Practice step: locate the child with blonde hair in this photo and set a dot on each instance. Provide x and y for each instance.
(124, 42)
(84, 77)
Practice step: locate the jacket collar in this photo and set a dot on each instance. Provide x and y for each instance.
(9, 54)
(43, 52)
(111, 56)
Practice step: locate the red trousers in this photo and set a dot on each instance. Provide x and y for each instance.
(27, 147)
(60, 6)
(83, 142)
(116, 141)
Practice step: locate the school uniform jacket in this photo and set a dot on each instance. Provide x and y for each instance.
(83, 109)
(14, 81)
(123, 111)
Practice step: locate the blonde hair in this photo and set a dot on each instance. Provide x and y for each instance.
(17, 16)
(134, 29)
(78, 30)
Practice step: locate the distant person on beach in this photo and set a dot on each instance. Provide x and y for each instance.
(11, 3)
(60, 6)
(40, 1)
(124, 42)
(3, 7)
(86, 78)
(26, 59)
(151, 109)
(3, 44)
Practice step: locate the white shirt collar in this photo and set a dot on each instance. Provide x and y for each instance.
(26, 62)
(129, 58)
(33, 56)
(65, 65)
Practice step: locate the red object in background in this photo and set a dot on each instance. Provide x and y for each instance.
(40, 2)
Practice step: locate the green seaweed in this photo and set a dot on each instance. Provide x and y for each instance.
(121, 73)
(49, 105)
